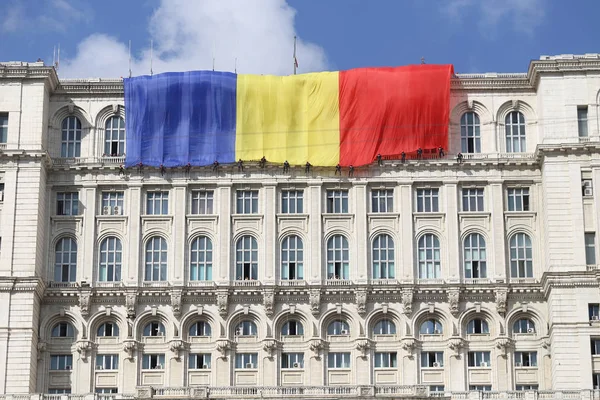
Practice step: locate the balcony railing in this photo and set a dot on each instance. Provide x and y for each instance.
(292, 282)
(338, 282)
(247, 283)
(65, 161)
(62, 285)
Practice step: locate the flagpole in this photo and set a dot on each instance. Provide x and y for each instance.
(295, 62)
(151, 51)
(130, 58)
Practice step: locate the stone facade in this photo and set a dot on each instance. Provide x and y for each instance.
(440, 274)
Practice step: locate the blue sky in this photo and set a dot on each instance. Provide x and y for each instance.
(474, 35)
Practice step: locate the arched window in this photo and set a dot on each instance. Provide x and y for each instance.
(470, 135)
(292, 328)
(71, 137)
(521, 257)
(114, 137)
(246, 259)
(154, 328)
(515, 132)
(200, 328)
(63, 329)
(292, 258)
(475, 257)
(431, 327)
(108, 329)
(338, 327)
(429, 257)
(65, 260)
(524, 325)
(338, 258)
(383, 257)
(477, 326)
(201, 259)
(111, 253)
(156, 259)
(246, 328)
(384, 327)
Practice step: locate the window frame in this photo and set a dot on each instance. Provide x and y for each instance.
(515, 132)
(114, 328)
(157, 202)
(292, 201)
(432, 323)
(109, 362)
(153, 361)
(67, 204)
(292, 258)
(475, 359)
(202, 202)
(66, 268)
(339, 360)
(430, 358)
(521, 263)
(385, 326)
(470, 139)
(337, 201)
(242, 360)
(582, 121)
(202, 327)
(385, 360)
(473, 199)
(286, 329)
(525, 359)
(590, 248)
(71, 132)
(246, 201)
(112, 199)
(337, 328)
(288, 359)
(382, 201)
(383, 256)
(114, 136)
(156, 269)
(199, 360)
(4, 117)
(61, 362)
(60, 327)
(201, 259)
(474, 246)
(246, 258)
(428, 200)
(478, 326)
(518, 199)
(524, 326)
(429, 267)
(154, 329)
(338, 257)
(110, 248)
(246, 328)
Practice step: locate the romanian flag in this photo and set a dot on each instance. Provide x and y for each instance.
(325, 118)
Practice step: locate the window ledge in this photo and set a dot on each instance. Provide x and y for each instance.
(383, 215)
(157, 217)
(338, 215)
(474, 214)
(520, 213)
(247, 216)
(102, 217)
(425, 215)
(291, 215)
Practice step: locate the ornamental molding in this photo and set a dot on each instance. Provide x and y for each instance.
(222, 302)
(176, 295)
(83, 347)
(315, 301)
(409, 344)
(224, 346)
(363, 345)
(317, 346)
(268, 300)
(504, 344)
(270, 346)
(456, 343)
(85, 296)
(129, 347)
(176, 346)
(361, 300)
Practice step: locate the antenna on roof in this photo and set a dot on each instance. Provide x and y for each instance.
(130, 58)
(151, 55)
(54, 56)
(58, 58)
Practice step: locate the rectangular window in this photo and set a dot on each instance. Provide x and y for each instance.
(526, 387)
(480, 388)
(432, 359)
(587, 189)
(67, 203)
(590, 248)
(202, 202)
(582, 121)
(292, 360)
(59, 391)
(595, 344)
(292, 201)
(1, 192)
(153, 361)
(3, 127)
(428, 200)
(107, 361)
(472, 199)
(518, 199)
(337, 201)
(157, 203)
(107, 390)
(382, 200)
(436, 388)
(596, 381)
(479, 359)
(247, 201)
(525, 359)
(112, 203)
(246, 361)
(61, 362)
(338, 360)
(386, 360)
(199, 361)
(594, 311)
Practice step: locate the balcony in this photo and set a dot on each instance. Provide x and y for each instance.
(68, 161)
(246, 283)
(156, 284)
(338, 282)
(63, 285)
(292, 282)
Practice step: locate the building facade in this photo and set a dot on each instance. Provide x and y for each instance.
(434, 275)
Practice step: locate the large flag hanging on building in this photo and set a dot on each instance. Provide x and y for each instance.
(325, 118)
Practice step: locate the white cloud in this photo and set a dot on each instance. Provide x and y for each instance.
(42, 16)
(521, 15)
(186, 34)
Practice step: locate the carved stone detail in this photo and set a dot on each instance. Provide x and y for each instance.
(176, 346)
(130, 302)
(270, 346)
(409, 345)
(84, 302)
(317, 346)
(268, 301)
(315, 301)
(83, 347)
(363, 345)
(176, 302)
(224, 346)
(41, 348)
(407, 300)
(129, 347)
(115, 109)
(504, 343)
(361, 300)
(501, 298)
(456, 344)
(222, 301)
(454, 301)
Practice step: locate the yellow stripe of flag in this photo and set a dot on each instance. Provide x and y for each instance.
(294, 118)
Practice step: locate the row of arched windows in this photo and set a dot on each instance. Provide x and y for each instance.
(114, 137)
(292, 258)
(338, 327)
(470, 134)
(514, 129)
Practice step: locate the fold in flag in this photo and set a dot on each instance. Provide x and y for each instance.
(324, 118)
